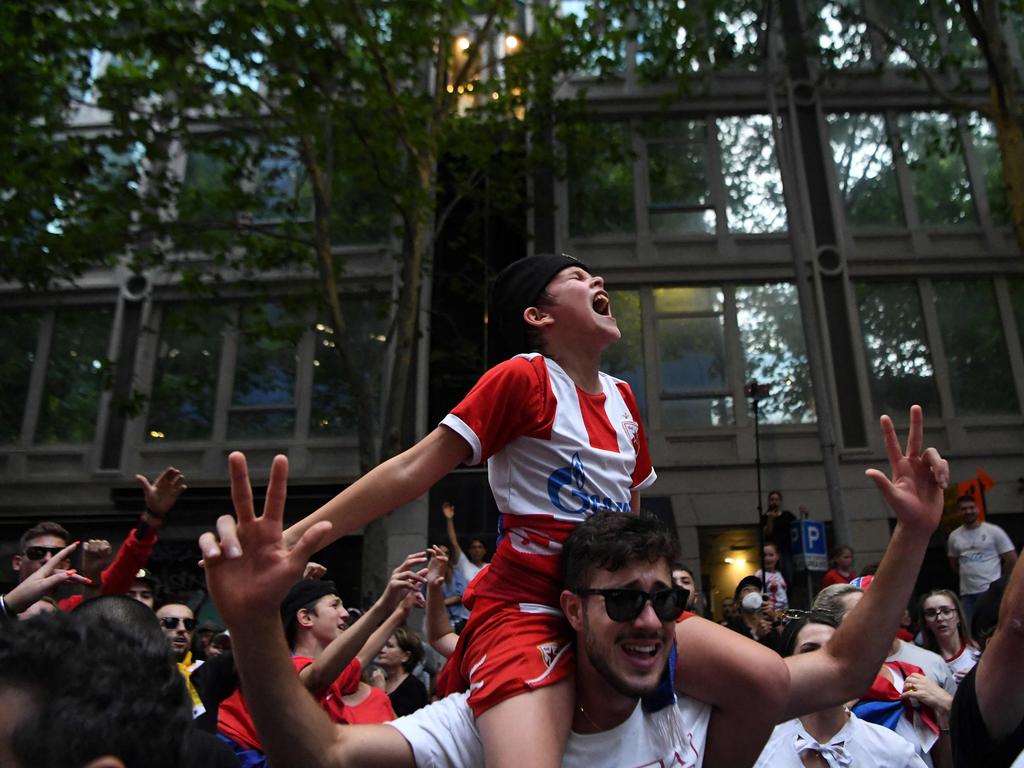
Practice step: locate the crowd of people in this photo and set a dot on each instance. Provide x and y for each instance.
(581, 642)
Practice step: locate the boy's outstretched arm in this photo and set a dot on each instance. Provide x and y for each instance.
(388, 486)
(249, 570)
(845, 667)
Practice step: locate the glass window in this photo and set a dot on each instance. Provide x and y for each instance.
(263, 402)
(691, 355)
(752, 181)
(625, 358)
(937, 168)
(865, 170)
(972, 334)
(19, 333)
(601, 181)
(896, 347)
(333, 410)
(1017, 301)
(204, 189)
(774, 352)
(77, 373)
(842, 42)
(281, 188)
(677, 177)
(185, 385)
(987, 149)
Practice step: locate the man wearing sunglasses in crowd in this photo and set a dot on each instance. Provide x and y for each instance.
(177, 622)
(44, 540)
(730, 690)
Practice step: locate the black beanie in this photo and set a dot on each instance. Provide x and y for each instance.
(302, 594)
(517, 287)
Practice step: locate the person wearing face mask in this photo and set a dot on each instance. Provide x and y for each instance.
(756, 618)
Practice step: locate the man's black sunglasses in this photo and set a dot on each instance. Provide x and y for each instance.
(626, 604)
(171, 622)
(38, 553)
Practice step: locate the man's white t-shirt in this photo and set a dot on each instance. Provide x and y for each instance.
(444, 735)
(865, 744)
(978, 551)
(466, 568)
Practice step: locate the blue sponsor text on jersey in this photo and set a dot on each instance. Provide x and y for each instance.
(578, 501)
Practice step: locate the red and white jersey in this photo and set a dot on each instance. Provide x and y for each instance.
(553, 450)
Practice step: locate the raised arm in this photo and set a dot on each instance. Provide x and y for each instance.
(999, 681)
(249, 571)
(845, 667)
(388, 486)
(41, 583)
(448, 510)
(356, 641)
(439, 627)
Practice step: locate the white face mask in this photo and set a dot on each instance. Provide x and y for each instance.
(752, 601)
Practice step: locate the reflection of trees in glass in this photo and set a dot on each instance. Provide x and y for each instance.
(841, 43)
(333, 410)
(677, 177)
(697, 412)
(1017, 301)
(774, 351)
(19, 332)
(986, 148)
(76, 375)
(937, 168)
(896, 346)
(601, 181)
(185, 386)
(972, 334)
(625, 358)
(264, 392)
(692, 352)
(864, 169)
(277, 188)
(752, 181)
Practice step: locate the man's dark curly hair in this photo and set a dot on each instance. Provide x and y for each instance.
(614, 540)
(89, 687)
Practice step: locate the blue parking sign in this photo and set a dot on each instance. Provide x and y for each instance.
(810, 551)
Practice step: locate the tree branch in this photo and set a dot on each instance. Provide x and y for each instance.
(919, 65)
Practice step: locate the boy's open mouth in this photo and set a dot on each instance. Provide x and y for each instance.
(601, 304)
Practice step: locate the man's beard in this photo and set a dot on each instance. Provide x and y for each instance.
(600, 662)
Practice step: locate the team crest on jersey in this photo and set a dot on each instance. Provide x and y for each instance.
(632, 431)
(549, 652)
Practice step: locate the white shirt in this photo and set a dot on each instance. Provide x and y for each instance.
(978, 551)
(963, 663)
(857, 744)
(444, 735)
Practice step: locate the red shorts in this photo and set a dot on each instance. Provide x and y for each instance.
(506, 650)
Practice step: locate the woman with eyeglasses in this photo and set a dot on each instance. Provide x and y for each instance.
(945, 632)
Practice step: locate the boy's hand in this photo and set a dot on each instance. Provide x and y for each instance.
(448, 510)
(248, 568)
(405, 579)
(915, 492)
